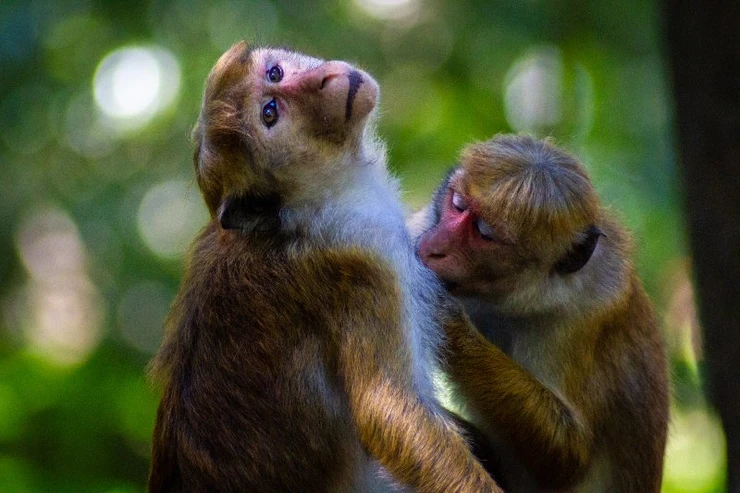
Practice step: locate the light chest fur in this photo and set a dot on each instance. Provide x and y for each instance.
(371, 216)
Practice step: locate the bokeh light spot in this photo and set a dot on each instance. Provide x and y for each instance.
(390, 10)
(64, 309)
(695, 457)
(170, 214)
(50, 247)
(533, 95)
(136, 83)
(545, 96)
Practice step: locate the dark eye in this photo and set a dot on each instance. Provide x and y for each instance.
(484, 229)
(458, 202)
(275, 74)
(270, 113)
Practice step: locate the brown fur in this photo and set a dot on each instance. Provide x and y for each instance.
(287, 363)
(537, 191)
(245, 407)
(574, 392)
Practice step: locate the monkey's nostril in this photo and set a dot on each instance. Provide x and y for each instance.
(324, 81)
(437, 256)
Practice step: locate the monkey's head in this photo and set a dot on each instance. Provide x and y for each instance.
(278, 127)
(515, 221)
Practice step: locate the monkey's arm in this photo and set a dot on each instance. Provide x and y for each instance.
(552, 437)
(481, 446)
(408, 435)
(413, 441)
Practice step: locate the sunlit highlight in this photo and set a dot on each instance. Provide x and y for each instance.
(136, 83)
(695, 457)
(170, 214)
(390, 10)
(533, 96)
(50, 247)
(63, 307)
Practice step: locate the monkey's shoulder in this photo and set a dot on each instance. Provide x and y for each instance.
(248, 268)
(346, 271)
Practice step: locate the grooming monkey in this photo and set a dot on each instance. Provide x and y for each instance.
(573, 392)
(298, 353)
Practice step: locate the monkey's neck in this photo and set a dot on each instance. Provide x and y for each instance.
(364, 211)
(367, 213)
(497, 328)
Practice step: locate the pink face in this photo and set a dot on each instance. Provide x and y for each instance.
(465, 250)
(273, 116)
(306, 96)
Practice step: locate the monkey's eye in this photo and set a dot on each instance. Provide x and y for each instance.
(485, 229)
(458, 202)
(270, 113)
(275, 74)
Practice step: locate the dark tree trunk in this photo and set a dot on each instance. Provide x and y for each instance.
(704, 55)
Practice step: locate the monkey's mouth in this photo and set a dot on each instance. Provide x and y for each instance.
(355, 81)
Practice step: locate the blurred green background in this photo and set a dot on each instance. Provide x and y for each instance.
(98, 200)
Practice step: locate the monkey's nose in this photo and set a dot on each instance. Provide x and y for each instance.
(430, 250)
(325, 80)
(331, 70)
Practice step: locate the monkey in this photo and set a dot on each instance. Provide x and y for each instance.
(298, 354)
(565, 371)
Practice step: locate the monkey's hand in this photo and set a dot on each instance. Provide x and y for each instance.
(551, 436)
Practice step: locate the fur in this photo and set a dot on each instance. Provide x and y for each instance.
(299, 351)
(567, 371)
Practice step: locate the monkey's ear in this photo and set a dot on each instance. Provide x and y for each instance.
(250, 213)
(579, 253)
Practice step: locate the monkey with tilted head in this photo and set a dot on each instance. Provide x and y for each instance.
(299, 351)
(566, 373)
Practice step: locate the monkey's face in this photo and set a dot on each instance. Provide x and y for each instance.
(297, 100)
(470, 251)
(278, 121)
(516, 224)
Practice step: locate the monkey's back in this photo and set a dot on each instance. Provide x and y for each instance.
(251, 395)
(639, 406)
